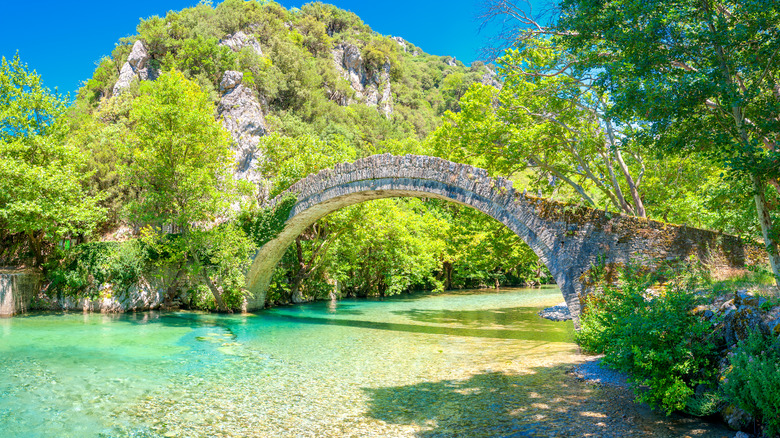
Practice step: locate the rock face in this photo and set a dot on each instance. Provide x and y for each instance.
(401, 42)
(490, 79)
(373, 88)
(137, 66)
(239, 40)
(140, 297)
(242, 116)
(17, 291)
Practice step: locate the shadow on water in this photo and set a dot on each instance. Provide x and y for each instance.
(507, 317)
(543, 403)
(529, 332)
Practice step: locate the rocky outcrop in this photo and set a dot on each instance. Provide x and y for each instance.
(239, 40)
(371, 87)
(242, 116)
(490, 78)
(18, 290)
(137, 66)
(140, 297)
(401, 42)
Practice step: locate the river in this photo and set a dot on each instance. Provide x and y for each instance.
(466, 364)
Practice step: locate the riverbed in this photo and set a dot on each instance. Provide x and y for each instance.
(468, 364)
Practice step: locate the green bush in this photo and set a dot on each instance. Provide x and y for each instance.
(82, 270)
(753, 382)
(653, 337)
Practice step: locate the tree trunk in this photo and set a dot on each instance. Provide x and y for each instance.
(766, 226)
(214, 291)
(168, 298)
(36, 248)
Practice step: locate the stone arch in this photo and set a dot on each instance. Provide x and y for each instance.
(567, 238)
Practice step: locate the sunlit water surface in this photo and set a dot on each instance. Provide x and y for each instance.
(474, 363)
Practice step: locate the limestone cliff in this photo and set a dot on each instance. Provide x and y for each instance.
(242, 116)
(239, 40)
(371, 87)
(137, 66)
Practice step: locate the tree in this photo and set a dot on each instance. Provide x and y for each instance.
(180, 164)
(703, 74)
(41, 193)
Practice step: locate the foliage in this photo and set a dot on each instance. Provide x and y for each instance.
(41, 193)
(480, 252)
(179, 160)
(696, 76)
(391, 247)
(549, 124)
(288, 159)
(653, 337)
(224, 255)
(753, 381)
(82, 270)
(263, 225)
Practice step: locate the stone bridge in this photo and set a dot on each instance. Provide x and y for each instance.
(569, 239)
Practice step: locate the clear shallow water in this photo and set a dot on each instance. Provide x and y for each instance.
(476, 363)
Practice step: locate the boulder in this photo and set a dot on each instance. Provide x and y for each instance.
(735, 417)
(739, 323)
(137, 66)
(230, 80)
(559, 312)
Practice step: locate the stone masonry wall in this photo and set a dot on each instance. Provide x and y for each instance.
(569, 239)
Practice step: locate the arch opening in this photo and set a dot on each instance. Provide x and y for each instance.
(313, 206)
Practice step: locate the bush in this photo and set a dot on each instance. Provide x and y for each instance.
(82, 270)
(753, 382)
(656, 339)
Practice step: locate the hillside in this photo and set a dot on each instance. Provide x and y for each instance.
(317, 71)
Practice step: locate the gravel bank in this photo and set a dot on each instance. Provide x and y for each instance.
(594, 372)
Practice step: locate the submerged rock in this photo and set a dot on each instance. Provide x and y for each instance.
(559, 312)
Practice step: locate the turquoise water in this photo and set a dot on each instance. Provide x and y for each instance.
(476, 363)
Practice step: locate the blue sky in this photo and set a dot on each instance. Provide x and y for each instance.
(62, 40)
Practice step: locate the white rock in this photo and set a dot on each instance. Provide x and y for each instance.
(239, 40)
(137, 66)
(242, 116)
(373, 89)
(230, 80)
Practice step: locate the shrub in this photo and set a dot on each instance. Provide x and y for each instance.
(753, 382)
(656, 339)
(82, 270)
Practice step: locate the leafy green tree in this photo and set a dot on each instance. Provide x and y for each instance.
(41, 191)
(703, 75)
(180, 159)
(550, 124)
(391, 247)
(180, 164)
